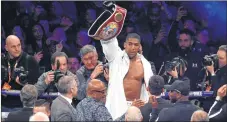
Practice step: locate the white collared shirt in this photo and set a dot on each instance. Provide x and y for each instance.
(67, 99)
(118, 67)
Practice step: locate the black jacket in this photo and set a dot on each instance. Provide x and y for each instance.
(20, 115)
(218, 111)
(30, 65)
(219, 79)
(149, 115)
(194, 58)
(180, 111)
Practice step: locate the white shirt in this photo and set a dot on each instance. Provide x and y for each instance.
(67, 99)
(118, 67)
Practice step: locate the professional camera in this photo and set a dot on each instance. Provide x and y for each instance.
(57, 73)
(208, 59)
(21, 73)
(170, 65)
(105, 65)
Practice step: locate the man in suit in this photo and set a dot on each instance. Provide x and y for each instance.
(28, 96)
(61, 108)
(156, 87)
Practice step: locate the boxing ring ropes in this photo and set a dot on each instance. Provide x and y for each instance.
(192, 94)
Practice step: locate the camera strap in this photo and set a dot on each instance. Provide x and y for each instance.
(6, 84)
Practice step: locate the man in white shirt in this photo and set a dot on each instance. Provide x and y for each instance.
(129, 73)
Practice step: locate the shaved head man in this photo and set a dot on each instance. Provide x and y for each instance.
(200, 116)
(133, 114)
(15, 59)
(13, 46)
(93, 106)
(97, 90)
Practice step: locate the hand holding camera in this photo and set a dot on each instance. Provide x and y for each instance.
(173, 73)
(97, 71)
(211, 69)
(50, 77)
(210, 62)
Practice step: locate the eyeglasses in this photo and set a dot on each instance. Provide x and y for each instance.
(102, 92)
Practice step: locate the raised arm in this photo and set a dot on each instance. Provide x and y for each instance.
(111, 48)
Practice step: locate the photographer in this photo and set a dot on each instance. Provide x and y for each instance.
(17, 69)
(92, 69)
(47, 81)
(191, 51)
(218, 77)
(174, 70)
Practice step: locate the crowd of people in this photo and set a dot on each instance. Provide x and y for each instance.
(46, 49)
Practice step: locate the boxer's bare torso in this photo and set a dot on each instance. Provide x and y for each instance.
(133, 79)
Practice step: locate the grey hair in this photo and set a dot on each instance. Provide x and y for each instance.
(65, 83)
(28, 95)
(87, 49)
(133, 35)
(39, 116)
(133, 114)
(200, 116)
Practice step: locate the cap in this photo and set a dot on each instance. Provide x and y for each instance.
(109, 24)
(183, 87)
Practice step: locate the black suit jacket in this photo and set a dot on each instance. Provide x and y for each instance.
(147, 113)
(20, 115)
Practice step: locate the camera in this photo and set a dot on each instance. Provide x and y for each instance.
(21, 73)
(170, 65)
(208, 59)
(57, 73)
(105, 65)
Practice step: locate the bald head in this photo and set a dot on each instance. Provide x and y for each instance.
(200, 116)
(39, 117)
(13, 46)
(96, 89)
(133, 114)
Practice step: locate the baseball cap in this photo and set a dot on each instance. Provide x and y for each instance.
(182, 87)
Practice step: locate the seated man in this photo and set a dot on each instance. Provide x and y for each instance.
(92, 69)
(28, 96)
(93, 106)
(15, 63)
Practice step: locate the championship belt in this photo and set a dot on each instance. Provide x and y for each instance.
(109, 24)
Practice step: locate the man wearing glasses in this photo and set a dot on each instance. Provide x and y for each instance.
(92, 69)
(93, 106)
(179, 94)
